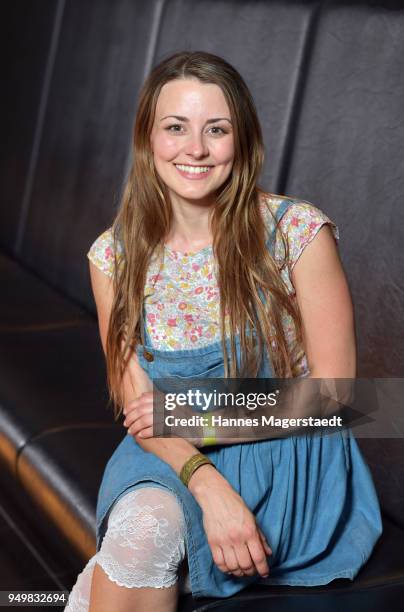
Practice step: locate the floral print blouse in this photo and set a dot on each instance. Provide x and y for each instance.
(182, 304)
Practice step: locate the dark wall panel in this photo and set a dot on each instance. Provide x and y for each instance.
(99, 67)
(26, 33)
(348, 158)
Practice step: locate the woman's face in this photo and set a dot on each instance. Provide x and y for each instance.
(184, 134)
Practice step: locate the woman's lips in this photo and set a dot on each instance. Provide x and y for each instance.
(193, 176)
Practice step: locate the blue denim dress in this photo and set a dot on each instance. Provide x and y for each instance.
(312, 495)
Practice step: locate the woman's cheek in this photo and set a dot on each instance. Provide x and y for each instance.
(165, 145)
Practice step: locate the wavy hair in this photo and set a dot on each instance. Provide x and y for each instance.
(247, 272)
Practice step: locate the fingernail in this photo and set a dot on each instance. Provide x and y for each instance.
(265, 575)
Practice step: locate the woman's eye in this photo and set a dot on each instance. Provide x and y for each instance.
(171, 126)
(177, 125)
(219, 128)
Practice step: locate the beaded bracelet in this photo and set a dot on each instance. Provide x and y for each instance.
(191, 465)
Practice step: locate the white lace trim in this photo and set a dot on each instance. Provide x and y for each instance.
(144, 545)
(111, 568)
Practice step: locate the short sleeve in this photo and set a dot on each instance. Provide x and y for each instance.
(300, 224)
(101, 252)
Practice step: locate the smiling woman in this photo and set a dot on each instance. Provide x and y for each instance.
(204, 274)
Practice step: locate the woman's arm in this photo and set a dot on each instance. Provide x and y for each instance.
(325, 303)
(326, 308)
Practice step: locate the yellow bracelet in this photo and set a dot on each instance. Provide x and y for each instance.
(191, 465)
(209, 437)
(209, 441)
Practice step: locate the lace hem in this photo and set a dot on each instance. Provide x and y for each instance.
(145, 582)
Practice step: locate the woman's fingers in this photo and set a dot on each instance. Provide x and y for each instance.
(147, 432)
(231, 561)
(218, 558)
(244, 560)
(141, 425)
(267, 547)
(138, 408)
(258, 555)
(145, 399)
(140, 418)
(137, 414)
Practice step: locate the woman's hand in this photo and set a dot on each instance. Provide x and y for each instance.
(237, 543)
(139, 416)
(139, 419)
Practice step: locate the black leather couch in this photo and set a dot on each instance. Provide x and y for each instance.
(328, 81)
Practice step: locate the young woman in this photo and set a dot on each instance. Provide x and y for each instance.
(197, 256)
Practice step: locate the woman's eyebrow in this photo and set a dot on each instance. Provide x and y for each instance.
(186, 118)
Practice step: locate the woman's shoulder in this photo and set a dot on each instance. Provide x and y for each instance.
(288, 207)
(102, 250)
(299, 221)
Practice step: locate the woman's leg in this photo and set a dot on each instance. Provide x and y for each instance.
(137, 564)
(107, 596)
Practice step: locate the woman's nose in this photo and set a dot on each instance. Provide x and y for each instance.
(196, 145)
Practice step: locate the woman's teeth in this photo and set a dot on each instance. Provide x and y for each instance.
(193, 169)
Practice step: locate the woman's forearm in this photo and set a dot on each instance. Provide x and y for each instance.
(175, 452)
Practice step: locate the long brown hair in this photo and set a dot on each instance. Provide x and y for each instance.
(245, 265)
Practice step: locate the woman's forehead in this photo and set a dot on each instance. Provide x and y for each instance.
(183, 96)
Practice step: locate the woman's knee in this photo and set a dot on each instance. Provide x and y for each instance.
(145, 539)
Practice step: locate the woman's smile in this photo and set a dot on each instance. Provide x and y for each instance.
(194, 173)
